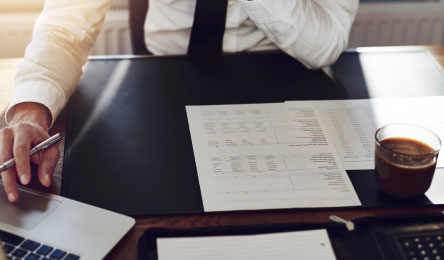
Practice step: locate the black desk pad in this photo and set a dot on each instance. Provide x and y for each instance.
(128, 146)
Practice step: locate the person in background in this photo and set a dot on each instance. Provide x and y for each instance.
(315, 32)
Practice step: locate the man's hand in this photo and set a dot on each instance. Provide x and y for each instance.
(2, 256)
(28, 127)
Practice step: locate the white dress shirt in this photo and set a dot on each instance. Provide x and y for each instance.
(313, 31)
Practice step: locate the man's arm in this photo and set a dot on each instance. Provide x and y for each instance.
(63, 36)
(313, 31)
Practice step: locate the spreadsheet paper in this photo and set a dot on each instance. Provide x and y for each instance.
(260, 156)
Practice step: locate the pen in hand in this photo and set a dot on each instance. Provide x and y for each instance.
(40, 147)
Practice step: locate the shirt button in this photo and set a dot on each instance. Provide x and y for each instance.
(231, 2)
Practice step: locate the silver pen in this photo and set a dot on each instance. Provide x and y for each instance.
(40, 147)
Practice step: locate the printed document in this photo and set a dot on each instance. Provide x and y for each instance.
(307, 245)
(352, 124)
(263, 156)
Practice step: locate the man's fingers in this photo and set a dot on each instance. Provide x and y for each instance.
(8, 177)
(49, 159)
(21, 157)
(25, 136)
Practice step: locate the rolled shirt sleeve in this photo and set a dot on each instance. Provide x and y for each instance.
(313, 31)
(63, 36)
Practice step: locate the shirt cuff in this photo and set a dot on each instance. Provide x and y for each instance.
(38, 92)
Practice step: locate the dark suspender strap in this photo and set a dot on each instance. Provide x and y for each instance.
(208, 28)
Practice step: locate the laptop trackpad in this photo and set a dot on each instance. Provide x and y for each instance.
(28, 211)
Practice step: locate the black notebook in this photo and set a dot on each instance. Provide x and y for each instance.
(392, 237)
(128, 145)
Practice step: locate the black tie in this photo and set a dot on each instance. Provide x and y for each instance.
(208, 28)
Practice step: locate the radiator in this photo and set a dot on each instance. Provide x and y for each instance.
(115, 36)
(398, 23)
(17, 19)
(377, 23)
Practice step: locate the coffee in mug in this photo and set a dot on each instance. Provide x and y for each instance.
(405, 159)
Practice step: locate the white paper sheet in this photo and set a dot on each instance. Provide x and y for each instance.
(259, 156)
(436, 192)
(352, 124)
(307, 245)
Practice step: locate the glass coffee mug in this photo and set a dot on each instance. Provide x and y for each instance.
(405, 159)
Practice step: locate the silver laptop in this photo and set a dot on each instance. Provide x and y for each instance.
(43, 226)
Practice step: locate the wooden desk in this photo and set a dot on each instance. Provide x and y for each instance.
(126, 249)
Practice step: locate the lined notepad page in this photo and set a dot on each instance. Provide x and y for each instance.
(313, 244)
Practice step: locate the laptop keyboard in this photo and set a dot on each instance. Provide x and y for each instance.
(422, 247)
(16, 247)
